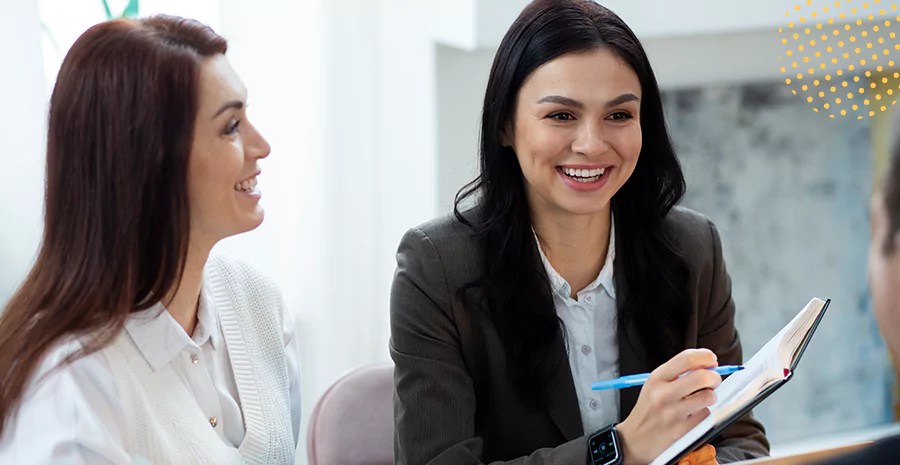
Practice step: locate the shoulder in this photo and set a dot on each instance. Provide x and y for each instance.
(69, 412)
(69, 394)
(446, 232)
(240, 277)
(693, 234)
(235, 284)
(53, 372)
(445, 243)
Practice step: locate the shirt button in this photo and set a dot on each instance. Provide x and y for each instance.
(213, 421)
(195, 360)
(586, 349)
(588, 299)
(595, 404)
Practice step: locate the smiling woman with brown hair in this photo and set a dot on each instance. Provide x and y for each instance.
(128, 339)
(574, 265)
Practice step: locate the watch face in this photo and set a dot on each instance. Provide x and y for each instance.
(603, 448)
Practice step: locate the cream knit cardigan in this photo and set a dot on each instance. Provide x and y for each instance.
(165, 424)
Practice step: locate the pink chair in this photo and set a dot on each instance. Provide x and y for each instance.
(353, 422)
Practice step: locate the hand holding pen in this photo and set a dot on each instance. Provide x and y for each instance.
(675, 397)
(641, 378)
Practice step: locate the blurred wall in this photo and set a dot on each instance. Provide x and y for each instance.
(788, 189)
(22, 124)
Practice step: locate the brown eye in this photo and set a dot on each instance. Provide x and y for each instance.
(620, 116)
(561, 116)
(233, 127)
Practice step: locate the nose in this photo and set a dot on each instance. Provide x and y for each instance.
(589, 140)
(257, 147)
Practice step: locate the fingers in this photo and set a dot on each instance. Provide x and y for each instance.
(695, 381)
(705, 455)
(696, 403)
(687, 360)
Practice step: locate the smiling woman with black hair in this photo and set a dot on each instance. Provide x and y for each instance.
(574, 265)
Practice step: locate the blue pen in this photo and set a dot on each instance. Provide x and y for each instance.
(640, 379)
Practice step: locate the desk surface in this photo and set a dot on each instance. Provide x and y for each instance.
(828, 441)
(813, 450)
(808, 458)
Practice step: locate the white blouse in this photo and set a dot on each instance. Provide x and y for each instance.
(76, 416)
(593, 348)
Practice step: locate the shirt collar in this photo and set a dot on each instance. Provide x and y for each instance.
(159, 338)
(207, 321)
(559, 285)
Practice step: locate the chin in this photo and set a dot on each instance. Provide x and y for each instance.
(585, 206)
(251, 222)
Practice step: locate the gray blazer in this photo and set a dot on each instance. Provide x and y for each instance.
(453, 402)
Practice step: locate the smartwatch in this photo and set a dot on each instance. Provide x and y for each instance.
(604, 447)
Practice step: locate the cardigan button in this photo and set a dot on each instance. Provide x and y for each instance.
(213, 421)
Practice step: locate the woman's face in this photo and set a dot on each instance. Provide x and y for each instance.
(577, 132)
(884, 276)
(223, 169)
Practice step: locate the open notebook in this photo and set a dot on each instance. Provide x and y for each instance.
(765, 372)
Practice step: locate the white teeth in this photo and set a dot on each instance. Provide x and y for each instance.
(246, 186)
(585, 174)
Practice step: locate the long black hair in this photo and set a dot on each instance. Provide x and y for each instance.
(650, 276)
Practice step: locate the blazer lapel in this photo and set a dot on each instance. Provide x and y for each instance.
(631, 352)
(563, 406)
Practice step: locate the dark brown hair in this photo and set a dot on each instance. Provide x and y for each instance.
(116, 220)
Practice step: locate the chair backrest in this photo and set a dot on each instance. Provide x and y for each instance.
(353, 422)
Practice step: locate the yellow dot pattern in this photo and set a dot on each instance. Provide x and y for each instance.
(871, 27)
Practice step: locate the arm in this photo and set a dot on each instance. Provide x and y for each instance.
(434, 399)
(70, 418)
(745, 439)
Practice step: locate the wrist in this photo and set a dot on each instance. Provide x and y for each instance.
(626, 439)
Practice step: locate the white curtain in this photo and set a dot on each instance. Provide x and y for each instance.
(345, 93)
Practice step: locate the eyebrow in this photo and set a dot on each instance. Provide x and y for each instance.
(236, 104)
(559, 99)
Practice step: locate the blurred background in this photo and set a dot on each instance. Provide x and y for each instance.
(372, 109)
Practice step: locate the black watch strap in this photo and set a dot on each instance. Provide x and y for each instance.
(605, 447)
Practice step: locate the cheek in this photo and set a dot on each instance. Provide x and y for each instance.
(538, 145)
(628, 142)
(213, 171)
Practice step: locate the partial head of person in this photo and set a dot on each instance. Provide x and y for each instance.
(573, 126)
(884, 252)
(150, 157)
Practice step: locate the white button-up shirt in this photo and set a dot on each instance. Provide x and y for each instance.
(593, 348)
(75, 417)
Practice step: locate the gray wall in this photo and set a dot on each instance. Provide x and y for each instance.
(788, 189)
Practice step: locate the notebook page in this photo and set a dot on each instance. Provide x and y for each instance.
(794, 338)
